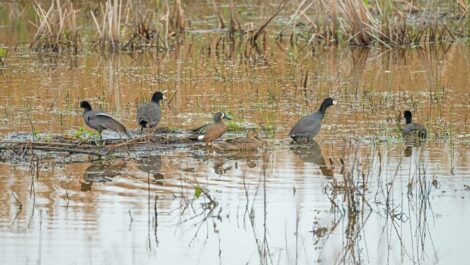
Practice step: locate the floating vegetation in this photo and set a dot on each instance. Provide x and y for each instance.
(114, 147)
(81, 142)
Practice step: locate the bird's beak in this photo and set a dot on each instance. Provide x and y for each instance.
(227, 116)
(334, 102)
(164, 97)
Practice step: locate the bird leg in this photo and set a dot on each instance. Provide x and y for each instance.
(101, 142)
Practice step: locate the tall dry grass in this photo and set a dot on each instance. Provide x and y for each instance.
(110, 29)
(117, 29)
(57, 28)
(133, 25)
(361, 23)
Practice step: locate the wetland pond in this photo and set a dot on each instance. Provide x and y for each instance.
(358, 195)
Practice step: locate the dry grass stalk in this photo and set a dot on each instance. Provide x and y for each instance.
(143, 36)
(173, 22)
(219, 15)
(234, 25)
(358, 21)
(362, 25)
(177, 18)
(56, 28)
(266, 23)
(109, 29)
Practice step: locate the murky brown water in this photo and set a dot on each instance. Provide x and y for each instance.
(278, 206)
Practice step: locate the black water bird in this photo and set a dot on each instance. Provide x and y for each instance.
(149, 114)
(100, 121)
(309, 126)
(413, 131)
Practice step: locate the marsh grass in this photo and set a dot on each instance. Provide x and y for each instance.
(361, 23)
(318, 23)
(144, 36)
(109, 29)
(57, 28)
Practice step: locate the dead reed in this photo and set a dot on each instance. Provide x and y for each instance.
(143, 36)
(109, 30)
(361, 23)
(56, 28)
(132, 25)
(119, 30)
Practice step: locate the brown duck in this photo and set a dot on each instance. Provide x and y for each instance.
(210, 132)
(249, 143)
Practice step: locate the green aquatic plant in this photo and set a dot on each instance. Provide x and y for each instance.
(47, 137)
(35, 134)
(3, 55)
(269, 130)
(234, 126)
(197, 191)
(83, 134)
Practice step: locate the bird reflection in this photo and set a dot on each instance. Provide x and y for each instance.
(311, 153)
(152, 165)
(412, 142)
(219, 166)
(408, 151)
(100, 172)
(222, 162)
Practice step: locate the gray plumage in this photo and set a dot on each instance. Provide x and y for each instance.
(412, 130)
(100, 121)
(149, 114)
(309, 126)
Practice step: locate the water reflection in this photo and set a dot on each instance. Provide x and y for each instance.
(311, 153)
(408, 151)
(249, 158)
(101, 172)
(152, 165)
(412, 143)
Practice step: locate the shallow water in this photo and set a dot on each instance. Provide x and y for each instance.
(283, 205)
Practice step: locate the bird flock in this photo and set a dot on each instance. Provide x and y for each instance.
(304, 130)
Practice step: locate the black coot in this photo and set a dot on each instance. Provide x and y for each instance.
(413, 131)
(149, 114)
(100, 121)
(309, 126)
